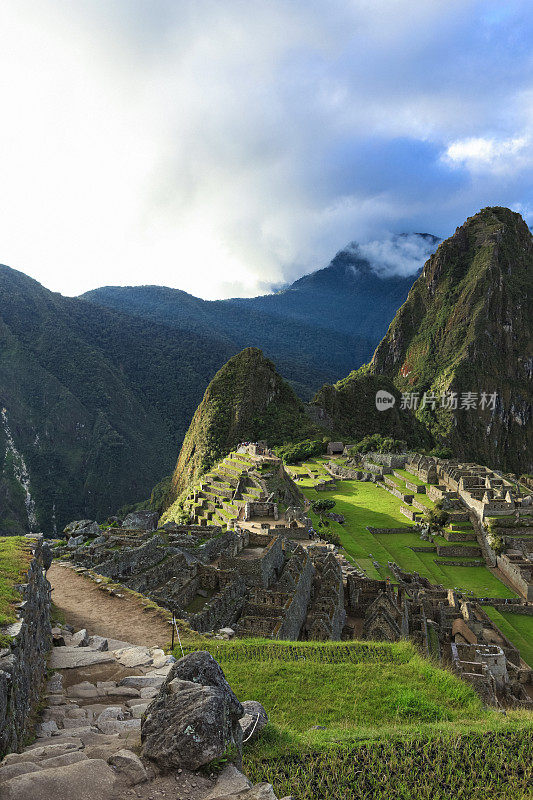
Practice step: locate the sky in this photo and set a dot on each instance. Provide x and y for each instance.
(224, 147)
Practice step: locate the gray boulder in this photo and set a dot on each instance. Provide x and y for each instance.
(98, 643)
(82, 527)
(129, 766)
(195, 717)
(254, 720)
(75, 541)
(85, 780)
(80, 639)
(141, 521)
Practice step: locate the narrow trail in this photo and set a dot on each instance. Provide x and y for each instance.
(84, 605)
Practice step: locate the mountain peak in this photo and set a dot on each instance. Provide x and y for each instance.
(247, 400)
(466, 327)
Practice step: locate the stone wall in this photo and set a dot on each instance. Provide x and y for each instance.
(521, 579)
(394, 460)
(258, 571)
(375, 531)
(23, 660)
(459, 536)
(460, 551)
(223, 609)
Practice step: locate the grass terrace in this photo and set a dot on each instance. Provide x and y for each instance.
(366, 504)
(372, 720)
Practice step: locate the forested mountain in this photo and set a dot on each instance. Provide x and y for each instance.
(95, 403)
(95, 400)
(465, 332)
(315, 331)
(247, 400)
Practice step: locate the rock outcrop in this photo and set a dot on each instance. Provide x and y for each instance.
(141, 521)
(195, 717)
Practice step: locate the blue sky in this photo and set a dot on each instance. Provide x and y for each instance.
(220, 146)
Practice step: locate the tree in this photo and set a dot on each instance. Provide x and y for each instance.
(320, 507)
(436, 519)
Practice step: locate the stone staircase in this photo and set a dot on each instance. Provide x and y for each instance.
(88, 742)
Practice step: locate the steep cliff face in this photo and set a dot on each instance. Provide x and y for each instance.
(246, 401)
(349, 408)
(466, 326)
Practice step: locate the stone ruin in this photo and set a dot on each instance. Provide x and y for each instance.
(443, 625)
(244, 564)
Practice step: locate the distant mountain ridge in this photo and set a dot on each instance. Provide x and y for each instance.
(96, 402)
(315, 330)
(98, 396)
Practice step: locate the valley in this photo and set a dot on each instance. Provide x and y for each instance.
(362, 577)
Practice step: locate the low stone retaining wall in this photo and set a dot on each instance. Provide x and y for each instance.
(388, 530)
(458, 552)
(414, 487)
(457, 536)
(409, 513)
(526, 611)
(448, 563)
(23, 659)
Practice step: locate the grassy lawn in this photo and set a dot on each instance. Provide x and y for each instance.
(365, 504)
(408, 477)
(15, 556)
(517, 628)
(381, 710)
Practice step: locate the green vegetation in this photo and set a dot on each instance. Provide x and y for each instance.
(365, 504)
(15, 556)
(300, 451)
(379, 444)
(246, 401)
(372, 720)
(351, 406)
(518, 628)
(96, 401)
(448, 336)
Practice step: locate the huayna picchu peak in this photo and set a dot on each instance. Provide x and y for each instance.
(466, 327)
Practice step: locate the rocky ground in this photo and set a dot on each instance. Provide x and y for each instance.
(88, 742)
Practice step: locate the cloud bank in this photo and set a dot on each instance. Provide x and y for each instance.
(220, 146)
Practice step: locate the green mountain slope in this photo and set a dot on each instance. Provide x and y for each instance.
(467, 326)
(349, 408)
(94, 401)
(246, 401)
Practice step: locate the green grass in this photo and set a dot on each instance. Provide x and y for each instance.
(365, 504)
(518, 628)
(15, 556)
(392, 724)
(408, 477)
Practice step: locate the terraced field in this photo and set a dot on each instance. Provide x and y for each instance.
(369, 720)
(517, 628)
(366, 504)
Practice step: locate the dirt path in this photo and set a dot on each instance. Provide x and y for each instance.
(84, 605)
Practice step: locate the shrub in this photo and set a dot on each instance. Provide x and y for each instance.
(379, 444)
(300, 451)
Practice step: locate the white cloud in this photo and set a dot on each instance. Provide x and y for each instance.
(198, 144)
(398, 255)
(496, 155)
